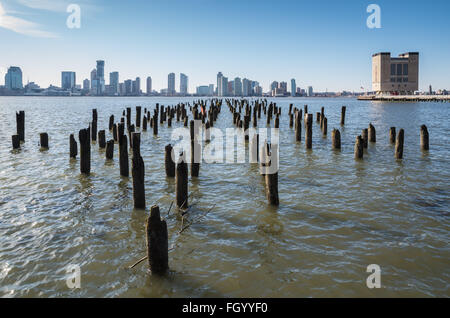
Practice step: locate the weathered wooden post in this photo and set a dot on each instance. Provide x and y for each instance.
(155, 125)
(101, 139)
(115, 134)
(110, 149)
(94, 115)
(272, 178)
(94, 130)
(85, 151)
(144, 123)
(44, 140)
(111, 122)
(336, 139)
(291, 120)
(15, 141)
(138, 116)
(424, 138)
(324, 126)
(392, 135)
(128, 117)
(157, 243)
(372, 133)
(169, 163)
(308, 132)
(318, 117)
(73, 147)
(277, 122)
(298, 126)
(20, 120)
(359, 148)
(138, 173)
(399, 144)
(123, 152)
(181, 181)
(365, 137)
(343, 115)
(131, 130)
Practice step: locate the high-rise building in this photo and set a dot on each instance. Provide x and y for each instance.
(149, 85)
(122, 89)
(183, 84)
(310, 91)
(100, 77)
(114, 82)
(273, 85)
(282, 87)
(86, 84)
(211, 90)
(171, 84)
(94, 82)
(224, 86)
(246, 87)
(395, 74)
(219, 84)
(136, 86)
(68, 80)
(293, 87)
(202, 90)
(237, 87)
(128, 87)
(230, 88)
(13, 79)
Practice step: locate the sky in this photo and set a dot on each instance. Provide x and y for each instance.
(324, 44)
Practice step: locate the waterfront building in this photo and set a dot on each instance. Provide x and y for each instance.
(211, 90)
(171, 84)
(203, 90)
(237, 86)
(68, 80)
(13, 78)
(246, 87)
(128, 87)
(86, 84)
(219, 84)
(395, 75)
(149, 85)
(310, 91)
(293, 87)
(183, 84)
(100, 77)
(114, 83)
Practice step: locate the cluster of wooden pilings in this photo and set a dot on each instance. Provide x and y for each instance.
(245, 113)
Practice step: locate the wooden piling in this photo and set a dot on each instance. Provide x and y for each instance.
(372, 133)
(85, 151)
(111, 122)
(123, 152)
(20, 120)
(298, 126)
(144, 123)
(138, 116)
(195, 158)
(155, 125)
(110, 149)
(424, 138)
(101, 139)
(399, 144)
(157, 243)
(94, 130)
(343, 115)
(73, 146)
(272, 178)
(308, 132)
(138, 173)
(181, 181)
(336, 139)
(365, 137)
(115, 134)
(324, 126)
(169, 163)
(359, 148)
(392, 135)
(44, 140)
(15, 141)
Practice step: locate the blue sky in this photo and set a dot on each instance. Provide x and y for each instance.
(325, 44)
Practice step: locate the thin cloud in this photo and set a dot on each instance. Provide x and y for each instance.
(48, 5)
(22, 26)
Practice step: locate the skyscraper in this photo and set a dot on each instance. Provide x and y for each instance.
(128, 87)
(237, 87)
(68, 80)
(137, 86)
(13, 79)
(310, 91)
(224, 86)
(219, 84)
(86, 85)
(94, 82)
(100, 77)
(149, 85)
(171, 84)
(246, 87)
(183, 84)
(293, 87)
(211, 89)
(114, 82)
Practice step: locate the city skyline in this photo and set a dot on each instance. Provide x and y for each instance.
(325, 45)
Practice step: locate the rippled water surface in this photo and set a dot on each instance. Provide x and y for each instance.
(336, 215)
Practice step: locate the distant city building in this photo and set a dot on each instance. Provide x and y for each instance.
(171, 84)
(183, 84)
(122, 89)
(224, 86)
(219, 84)
(258, 91)
(282, 88)
(293, 87)
(237, 87)
(13, 79)
(246, 87)
(136, 87)
(395, 75)
(211, 90)
(430, 90)
(68, 80)
(149, 85)
(86, 84)
(114, 83)
(128, 87)
(100, 77)
(203, 90)
(310, 91)
(230, 88)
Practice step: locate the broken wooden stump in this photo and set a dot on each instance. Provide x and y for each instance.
(157, 243)
(181, 181)
(392, 135)
(138, 116)
(101, 139)
(123, 152)
(399, 144)
(359, 148)
(110, 149)
(372, 134)
(336, 139)
(138, 173)
(111, 122)
(424, 138)
(94, 130)
(298, 126)
(43, 140)
(272, 177)
(85, 151)
(73, 147)
(343, 115)
(20, 120)
(308, 132)
(169, 163)
(365, 137)
(15, 141)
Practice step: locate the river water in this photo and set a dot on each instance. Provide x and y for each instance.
(336, 215)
